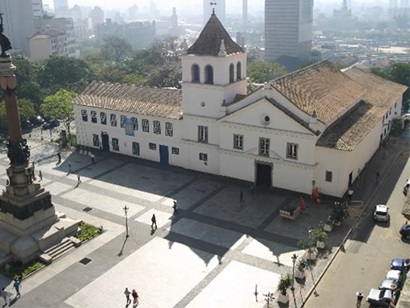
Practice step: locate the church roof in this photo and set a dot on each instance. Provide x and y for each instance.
(320, 88)
(164, 103)
(209, 41)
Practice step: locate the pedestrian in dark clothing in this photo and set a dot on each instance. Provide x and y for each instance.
(135, 298)
(350, 194)
(78, 179)
(127, 294)
(16, 286)
(241, 197)
(153, 222)
(377, 176)
(69, 167)
(92, 158)
(40, 175)
(359, 299)
(59, 158)
(175, 207)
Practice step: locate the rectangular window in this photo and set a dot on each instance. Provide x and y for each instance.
(103, 118)
(136, 148)
(152, 146)
(94, 116)
(292, 151)
(168, 129)
(238, 142)
(145, 125)
(84, 115)
(203, 156)
(135, 122)
(113, 120)
(264, 146)
(122, 121)
(115, 144)
(157, 127)
(96, 140)
(175, 151)
(329, 176)
(203, 134)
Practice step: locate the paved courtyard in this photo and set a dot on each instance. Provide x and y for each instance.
(215, 252)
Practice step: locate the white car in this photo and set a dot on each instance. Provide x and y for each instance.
(381, 213)
(393, 274)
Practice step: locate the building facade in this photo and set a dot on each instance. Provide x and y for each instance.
(288, 29)
(19, 19)
(286, 134)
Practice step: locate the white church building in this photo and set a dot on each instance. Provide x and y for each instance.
(314, 128)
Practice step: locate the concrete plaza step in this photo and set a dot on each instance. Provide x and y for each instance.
(57, 251)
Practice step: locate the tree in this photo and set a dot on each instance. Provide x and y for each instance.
(67, 73)
(26, 111)
(261, 72)
(59, 106)
(32, 91)
(116, 49)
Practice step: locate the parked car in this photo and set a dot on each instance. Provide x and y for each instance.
(381, 213)
(388, 284)
(397, 264)
(37, 120)
(393, 274)
(380, 298)
(405, 231)
(51, 124)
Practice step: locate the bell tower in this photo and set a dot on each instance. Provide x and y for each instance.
(213, 72)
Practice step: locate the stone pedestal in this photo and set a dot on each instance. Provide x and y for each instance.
(28, 221)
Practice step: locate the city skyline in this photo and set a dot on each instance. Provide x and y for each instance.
(231, 5)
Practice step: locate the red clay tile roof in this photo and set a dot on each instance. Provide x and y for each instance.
(209, 41)
(378, 91)
(164, 103)
(320, 87)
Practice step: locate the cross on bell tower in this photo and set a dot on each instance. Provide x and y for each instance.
(213, 5)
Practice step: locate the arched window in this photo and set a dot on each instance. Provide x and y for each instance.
(209, 74)
(231, 73)
(239, 71)
(195, 73)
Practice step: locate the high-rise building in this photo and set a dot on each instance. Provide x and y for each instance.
(288, 29)
(97, 17)
(245, 14)
(61, 8)
(218, 5)
(19, 21)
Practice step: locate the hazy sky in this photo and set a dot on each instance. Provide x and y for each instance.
(167, 4)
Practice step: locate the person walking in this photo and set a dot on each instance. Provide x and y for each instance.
(302, 203)
(127, 294)
(40, 175)
(135, 297)
(69, 167)
(92, 158)
(5, 294)
(175, 207)
(16, 286)
(78, 179)
(359, 299)
(59, 158)
(153, 222)
(350, 194)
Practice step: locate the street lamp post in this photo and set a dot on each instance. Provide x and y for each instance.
(294, 258)
(126, 220)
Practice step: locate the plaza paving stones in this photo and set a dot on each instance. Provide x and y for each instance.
(212, 253)
(238, 282)
(161, 272)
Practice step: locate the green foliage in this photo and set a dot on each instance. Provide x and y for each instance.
(88, 231)
(318, 234)
(16, 269)
(339, 212)
(63, 72)
(32, 91)
(260, 72)
(59, 106)
(285, 282)
(115, 49)
(26, 109)
(306, 244)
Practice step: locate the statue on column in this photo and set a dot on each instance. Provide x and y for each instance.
(4, 41)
